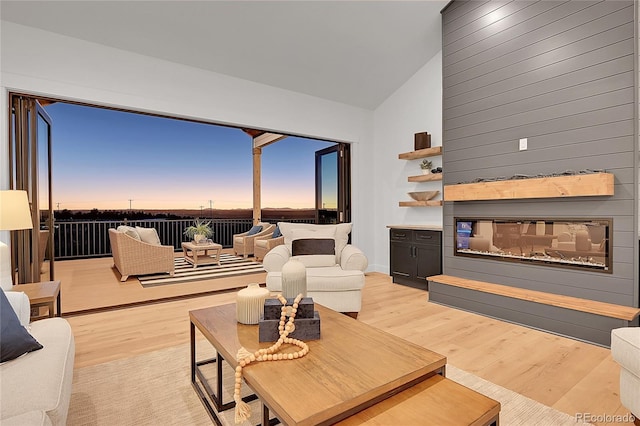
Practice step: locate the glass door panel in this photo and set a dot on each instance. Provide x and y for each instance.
(333, 184)
(30, 153)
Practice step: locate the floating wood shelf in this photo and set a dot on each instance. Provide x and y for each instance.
(421, 153)
(421, 203)
(583, 185)
(426, 178)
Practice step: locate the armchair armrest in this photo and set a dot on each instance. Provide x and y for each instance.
(352, 258)
(276, 258)
(274, 242)
(20, 303)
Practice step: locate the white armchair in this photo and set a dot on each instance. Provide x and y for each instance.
(625, 349)
(335, 278)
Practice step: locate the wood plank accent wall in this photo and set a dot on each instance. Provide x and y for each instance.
(562, 74)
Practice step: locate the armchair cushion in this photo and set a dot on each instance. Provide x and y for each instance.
(148, 235)
(15, 340)
(129, 230)
(310, 246)
(340, 231)
(254, 230)
(314, 252)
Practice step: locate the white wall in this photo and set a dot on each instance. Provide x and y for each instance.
(414, 107)
(47, 64)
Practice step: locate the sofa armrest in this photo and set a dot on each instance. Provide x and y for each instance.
(20, 303)
(353, 259)
(276, 258)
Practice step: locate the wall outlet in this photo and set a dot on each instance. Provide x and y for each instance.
(523, 144)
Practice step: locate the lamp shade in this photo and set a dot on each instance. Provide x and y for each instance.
(15, 212)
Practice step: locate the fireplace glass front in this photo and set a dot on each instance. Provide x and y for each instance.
(569, 243)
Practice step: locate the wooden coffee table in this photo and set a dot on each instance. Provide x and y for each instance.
(198, 254)
(351, 367)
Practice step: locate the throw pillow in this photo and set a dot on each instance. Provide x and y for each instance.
(254, 230)
(148, 235)
(130, 231)
(276, 233)
(314, 247)
(15, 340)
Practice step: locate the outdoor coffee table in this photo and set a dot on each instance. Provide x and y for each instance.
(351, 367)
(198, 254)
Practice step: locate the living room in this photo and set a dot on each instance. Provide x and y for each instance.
(81, 70)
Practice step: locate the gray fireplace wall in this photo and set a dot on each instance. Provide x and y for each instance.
(562, 75)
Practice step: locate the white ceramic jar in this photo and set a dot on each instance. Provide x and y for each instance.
(250, 303)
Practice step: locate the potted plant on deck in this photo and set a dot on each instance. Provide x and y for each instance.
(201, 230)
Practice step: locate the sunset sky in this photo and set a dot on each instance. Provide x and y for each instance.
(104, 158)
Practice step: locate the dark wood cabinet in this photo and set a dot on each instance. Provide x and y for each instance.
(415, 254)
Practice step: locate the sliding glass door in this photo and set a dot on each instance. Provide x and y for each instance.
(30, 168)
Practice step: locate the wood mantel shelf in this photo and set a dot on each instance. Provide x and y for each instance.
(421, 153)
(581, 185)
(429, 203)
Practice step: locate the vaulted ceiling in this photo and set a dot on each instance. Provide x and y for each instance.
(354, 52)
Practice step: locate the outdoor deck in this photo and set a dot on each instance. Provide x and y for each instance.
(94, 284)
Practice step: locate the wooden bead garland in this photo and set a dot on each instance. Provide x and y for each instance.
(243, 410)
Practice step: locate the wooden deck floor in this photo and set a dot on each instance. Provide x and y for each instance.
(569, 375)
(94, 284)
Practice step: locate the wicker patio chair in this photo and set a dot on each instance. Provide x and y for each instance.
(262, 245)
(243, 243)
(134, 257)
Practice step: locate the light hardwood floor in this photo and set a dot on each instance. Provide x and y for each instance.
(571, 376)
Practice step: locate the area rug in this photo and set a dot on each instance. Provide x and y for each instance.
(230, 265)
(155, 389)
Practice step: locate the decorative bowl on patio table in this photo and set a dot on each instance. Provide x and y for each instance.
(423, 195)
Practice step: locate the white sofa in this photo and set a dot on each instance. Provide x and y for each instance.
(36, 387)
(625, 349)
(333, 280)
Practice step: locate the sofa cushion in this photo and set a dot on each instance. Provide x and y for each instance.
(129, 230)
(41, 380)
(31, 418)
(15, 340)
(148, 235)
(254, 230)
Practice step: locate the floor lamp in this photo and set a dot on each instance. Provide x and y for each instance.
(15, 214)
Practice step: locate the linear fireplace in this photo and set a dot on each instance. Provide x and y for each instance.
(569, 243)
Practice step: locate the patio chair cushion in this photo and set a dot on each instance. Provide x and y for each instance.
(15, 340)
(148, 235)
(130, 231)
(254, 230)
(276, 232)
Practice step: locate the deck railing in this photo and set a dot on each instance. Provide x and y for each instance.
(85, 239)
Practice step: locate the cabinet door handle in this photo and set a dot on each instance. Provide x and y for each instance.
(400, 273)
(425, 237)
(400, 235)
(414, 251)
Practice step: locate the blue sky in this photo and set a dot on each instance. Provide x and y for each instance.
(102, 158)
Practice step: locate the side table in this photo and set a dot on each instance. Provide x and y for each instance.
(43, 294)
